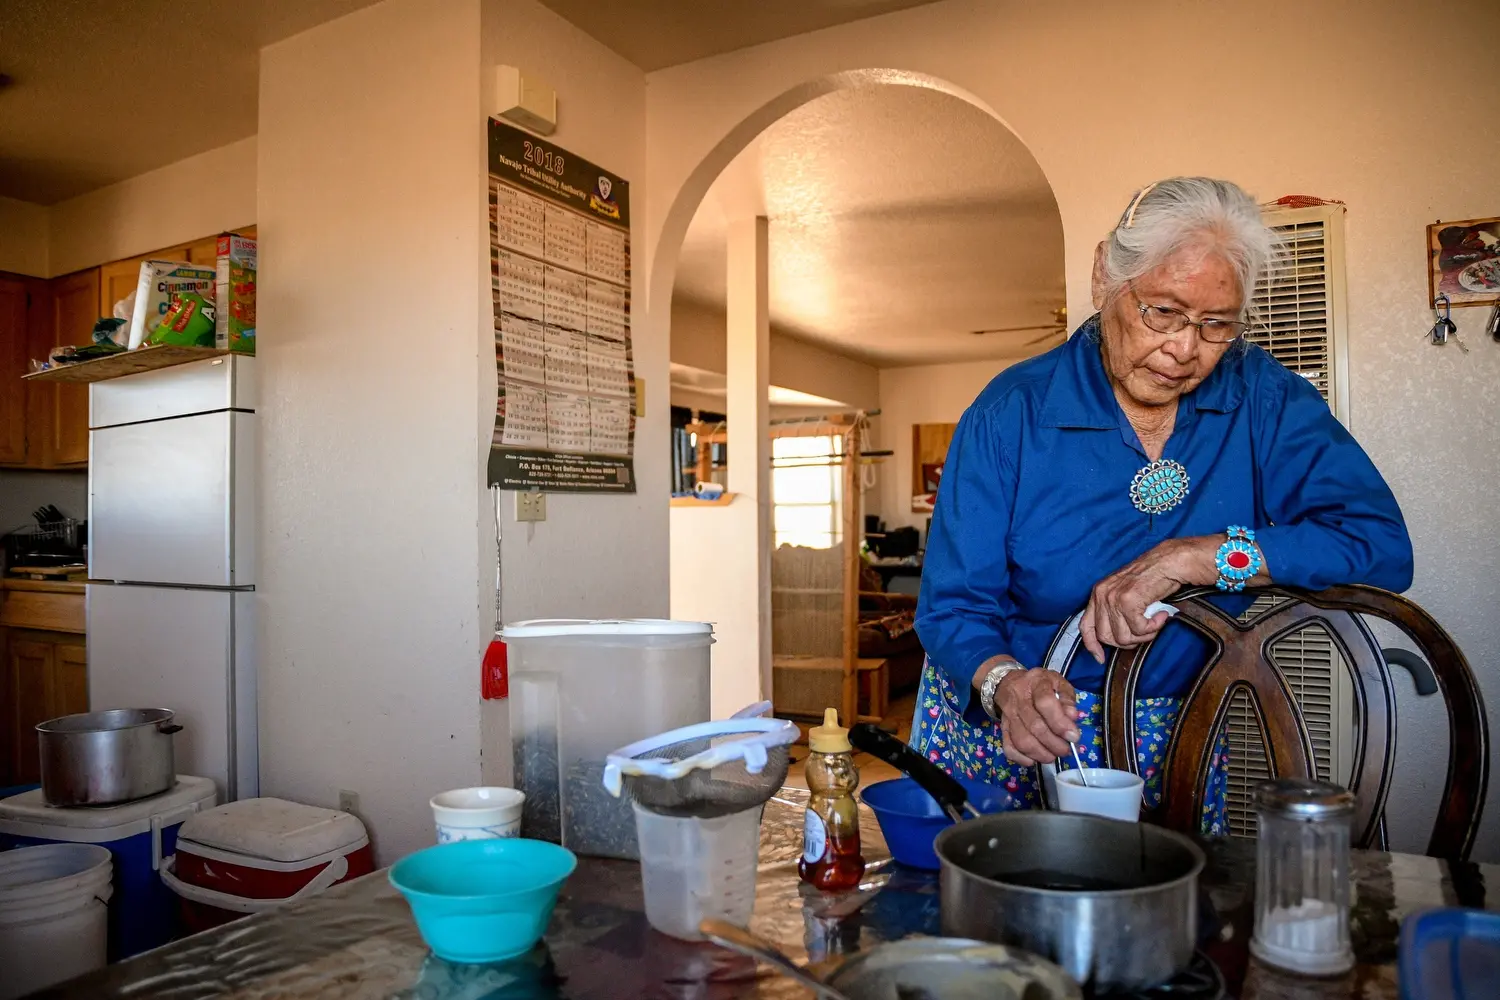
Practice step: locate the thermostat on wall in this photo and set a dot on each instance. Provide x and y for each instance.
(525, 100)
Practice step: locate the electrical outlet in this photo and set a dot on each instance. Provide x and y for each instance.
(348, 801)
(531, 506)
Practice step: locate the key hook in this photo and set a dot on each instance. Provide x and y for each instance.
(1444, 327)
(1442, 307)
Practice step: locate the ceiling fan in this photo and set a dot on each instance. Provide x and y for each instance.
(1059, 324)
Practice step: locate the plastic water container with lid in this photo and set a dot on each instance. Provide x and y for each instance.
(579, 689)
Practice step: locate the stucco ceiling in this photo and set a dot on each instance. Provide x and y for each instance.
(658, 33)
(901, 221)
(103, 90)
(707, 383)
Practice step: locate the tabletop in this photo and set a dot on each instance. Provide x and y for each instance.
(358, 941)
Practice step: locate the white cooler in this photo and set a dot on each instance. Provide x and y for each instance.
(251, 855)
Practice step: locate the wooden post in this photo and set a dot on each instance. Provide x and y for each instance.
(850, 511)
(705, 459)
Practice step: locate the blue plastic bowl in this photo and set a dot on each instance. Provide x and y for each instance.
(1449, 954)
(483, 900)
(911, 820)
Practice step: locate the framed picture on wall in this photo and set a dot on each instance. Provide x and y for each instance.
(1464, 262)
(929, 450)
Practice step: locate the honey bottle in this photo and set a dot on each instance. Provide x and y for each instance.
(830, 829)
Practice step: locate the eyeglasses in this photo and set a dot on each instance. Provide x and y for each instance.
(1165, 319)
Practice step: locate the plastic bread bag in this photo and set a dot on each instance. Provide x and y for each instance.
(188, 322)
(159, 280)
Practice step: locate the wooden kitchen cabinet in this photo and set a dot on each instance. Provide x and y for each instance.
(74, 305)
(43, 667)
(14, 342)
(46, 675)
(46, 425)
(118, 279)
(54, 431)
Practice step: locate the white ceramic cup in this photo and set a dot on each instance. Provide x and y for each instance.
(477, 813)
(1111, 793)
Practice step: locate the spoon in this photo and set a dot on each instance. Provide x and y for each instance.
(1077, 761)
(1151, 611)
(738, 939)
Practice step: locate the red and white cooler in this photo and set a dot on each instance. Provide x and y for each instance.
(251, 855)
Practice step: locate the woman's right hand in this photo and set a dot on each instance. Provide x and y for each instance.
(1037, 716)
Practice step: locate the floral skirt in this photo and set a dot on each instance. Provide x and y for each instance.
(940, 732)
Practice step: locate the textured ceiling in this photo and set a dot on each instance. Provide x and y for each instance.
(657, 33)
(106, 89)
(714, 384)
(902, 220)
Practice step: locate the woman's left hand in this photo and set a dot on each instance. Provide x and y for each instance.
(1116, 612)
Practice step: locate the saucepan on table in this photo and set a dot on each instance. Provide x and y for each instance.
(1115, 904)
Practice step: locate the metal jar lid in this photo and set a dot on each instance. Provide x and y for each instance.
(1298, 798)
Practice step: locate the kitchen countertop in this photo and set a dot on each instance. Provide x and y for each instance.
(43, 586)
(358, 940)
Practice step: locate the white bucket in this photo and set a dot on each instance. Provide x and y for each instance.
(53, 914)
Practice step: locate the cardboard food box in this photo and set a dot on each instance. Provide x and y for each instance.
(236, 294)
(160, 279)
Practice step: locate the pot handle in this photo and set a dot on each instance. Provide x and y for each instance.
(168, 728)
(950, 796)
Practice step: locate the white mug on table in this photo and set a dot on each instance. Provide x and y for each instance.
(482, 813)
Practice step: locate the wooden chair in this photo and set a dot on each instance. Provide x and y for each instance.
(1240, 661)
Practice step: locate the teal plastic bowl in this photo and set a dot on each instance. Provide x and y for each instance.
(483, 900)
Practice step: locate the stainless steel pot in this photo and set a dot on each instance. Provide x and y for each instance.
(1115, 904)
(100, 758)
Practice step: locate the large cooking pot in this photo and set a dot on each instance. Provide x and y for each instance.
(1115, 904)
(101, 758)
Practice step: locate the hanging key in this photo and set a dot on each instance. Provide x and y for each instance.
(1444, 327)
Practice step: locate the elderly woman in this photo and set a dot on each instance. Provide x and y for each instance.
(1155, 450)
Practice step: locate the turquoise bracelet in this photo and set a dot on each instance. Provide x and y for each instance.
(1237, 560)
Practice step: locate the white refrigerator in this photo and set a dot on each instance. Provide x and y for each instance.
(172, 562)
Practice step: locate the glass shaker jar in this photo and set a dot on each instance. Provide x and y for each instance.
(1302, 877)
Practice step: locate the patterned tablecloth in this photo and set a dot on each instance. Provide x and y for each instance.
(358, 940)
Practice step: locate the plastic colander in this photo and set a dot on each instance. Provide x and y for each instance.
(709, 770)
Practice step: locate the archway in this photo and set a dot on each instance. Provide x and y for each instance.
(719, 583)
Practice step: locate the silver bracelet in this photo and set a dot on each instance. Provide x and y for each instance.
(991, 684)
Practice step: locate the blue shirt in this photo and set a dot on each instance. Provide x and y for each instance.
(1034, 506)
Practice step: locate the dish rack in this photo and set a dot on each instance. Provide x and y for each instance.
(57, 543)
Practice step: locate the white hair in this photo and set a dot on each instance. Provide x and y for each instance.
(1188, 212)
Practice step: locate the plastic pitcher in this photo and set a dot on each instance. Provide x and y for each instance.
(579, 689)
(695, 868)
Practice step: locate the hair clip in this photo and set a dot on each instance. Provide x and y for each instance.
(1130, 212)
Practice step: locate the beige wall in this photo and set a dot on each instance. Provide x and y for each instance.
(23, 237)
(187, 200)
(923, 394)
(698, 340)
(1080, 85)
(372, 220)
(595, 556)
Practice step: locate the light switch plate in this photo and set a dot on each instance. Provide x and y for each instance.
(531, 506)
